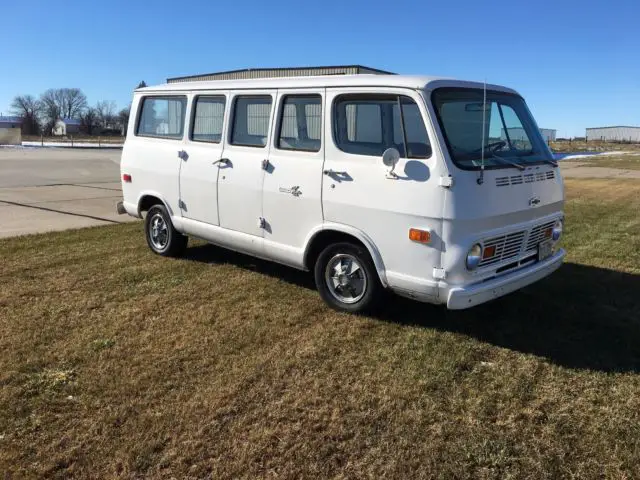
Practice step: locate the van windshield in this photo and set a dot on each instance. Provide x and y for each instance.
(500, 132)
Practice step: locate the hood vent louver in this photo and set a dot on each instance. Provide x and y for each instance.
(527, 178)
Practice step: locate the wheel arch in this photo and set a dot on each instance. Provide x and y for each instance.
(148, 199)
(333, 233)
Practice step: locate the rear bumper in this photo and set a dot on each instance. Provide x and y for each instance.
(129, 208)
(465, 297)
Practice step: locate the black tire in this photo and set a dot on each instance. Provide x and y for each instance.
(372, 289)
(174, 244)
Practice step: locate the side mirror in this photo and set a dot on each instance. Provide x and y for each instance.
(390, 158)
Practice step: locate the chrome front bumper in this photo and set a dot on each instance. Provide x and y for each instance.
(465, 297)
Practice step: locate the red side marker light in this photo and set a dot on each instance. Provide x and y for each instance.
(126, 178)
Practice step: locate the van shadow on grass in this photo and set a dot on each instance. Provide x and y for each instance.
(580, 317)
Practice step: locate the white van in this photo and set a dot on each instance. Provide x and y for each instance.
(439, 190)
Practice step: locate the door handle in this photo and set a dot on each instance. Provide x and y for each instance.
(183, 155)
(330, 172)
(224, 161)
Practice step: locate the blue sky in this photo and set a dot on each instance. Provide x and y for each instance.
(575, 62)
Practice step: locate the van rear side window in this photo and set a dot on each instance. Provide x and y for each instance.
(162, 117)
(300, 123)
(208, 119)
(251, 121)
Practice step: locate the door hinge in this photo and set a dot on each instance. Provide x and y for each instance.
(182, 205)
(265, 164)
(262, 223)
(439, 273)
(446, 182)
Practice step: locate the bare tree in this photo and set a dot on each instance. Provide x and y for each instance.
(50, 109)
(89, 119)
(74, 102)
(62, 103)
(106, 111)
(123, 119)
(28, 108)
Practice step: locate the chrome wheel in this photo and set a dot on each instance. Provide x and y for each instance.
(345, 278)
(159, 232)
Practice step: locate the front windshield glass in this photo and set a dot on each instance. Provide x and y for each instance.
(511, 138)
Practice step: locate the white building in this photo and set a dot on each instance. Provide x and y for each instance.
(614, 134)
(66, 126)
(549, 134)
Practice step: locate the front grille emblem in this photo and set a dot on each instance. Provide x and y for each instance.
(534, 201)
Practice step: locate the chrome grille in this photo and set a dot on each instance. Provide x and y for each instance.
(507, 247)
(527, 178)
(512, 245)
(537, 235)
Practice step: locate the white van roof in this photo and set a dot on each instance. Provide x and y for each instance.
(417, 82)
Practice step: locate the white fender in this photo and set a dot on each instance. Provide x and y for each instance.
(354, 232)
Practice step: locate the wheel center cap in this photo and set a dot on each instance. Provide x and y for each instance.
(343, 279)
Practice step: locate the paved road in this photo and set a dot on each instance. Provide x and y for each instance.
(46, 189)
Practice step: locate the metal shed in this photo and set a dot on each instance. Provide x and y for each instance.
(248, 73)
(549, 134)
(614, 134)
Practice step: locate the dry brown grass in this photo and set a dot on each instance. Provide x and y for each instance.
(593, 146)
(627, 161)
(119, 363)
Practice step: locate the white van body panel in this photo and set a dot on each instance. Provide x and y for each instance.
(154, 166)
(274, 202)
(199, 171)
(357, 191)
(292, 187)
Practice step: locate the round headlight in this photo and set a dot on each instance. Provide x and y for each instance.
(556, 233)
(474, 257)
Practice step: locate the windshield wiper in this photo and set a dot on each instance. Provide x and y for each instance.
(505, 161)
(550, 162)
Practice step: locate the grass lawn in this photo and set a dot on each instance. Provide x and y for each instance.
(594, 146)
(117, 362)
(629, 161)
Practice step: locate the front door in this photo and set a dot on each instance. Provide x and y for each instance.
(244, 158)
(292, 203)
(358, 190)
(201, 159)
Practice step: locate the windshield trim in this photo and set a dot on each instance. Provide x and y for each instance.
(473, 168)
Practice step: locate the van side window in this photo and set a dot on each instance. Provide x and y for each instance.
(300, 123)
(251, 121)
(208, 118)
(366, 124)
(162, 117)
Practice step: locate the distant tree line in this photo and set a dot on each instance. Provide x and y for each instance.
(39, 115)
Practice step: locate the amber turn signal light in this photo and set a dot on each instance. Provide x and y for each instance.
(489, 252)
(421, 236)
